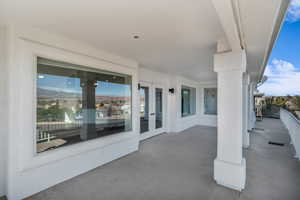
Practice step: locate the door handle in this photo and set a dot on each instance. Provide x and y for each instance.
(152, 114)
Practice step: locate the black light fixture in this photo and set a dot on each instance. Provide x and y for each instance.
(172, 90)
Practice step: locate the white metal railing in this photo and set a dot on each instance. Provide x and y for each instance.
(293, 126)
(44, 136)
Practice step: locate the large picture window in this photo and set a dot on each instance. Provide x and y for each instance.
(188, 101)
(210, 101)
(76, 103)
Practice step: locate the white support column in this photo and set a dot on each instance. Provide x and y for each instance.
(230, 166)
(252, 117)
(246, 82)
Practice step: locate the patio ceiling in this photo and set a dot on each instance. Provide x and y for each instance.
(174, 36)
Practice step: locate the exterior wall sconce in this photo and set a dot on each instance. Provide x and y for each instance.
(172, 90)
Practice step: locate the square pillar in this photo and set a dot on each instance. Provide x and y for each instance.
(252, 117)
(88, 84)
(246, 138)
(230, 166)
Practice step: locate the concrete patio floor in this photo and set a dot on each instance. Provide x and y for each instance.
(179, 166)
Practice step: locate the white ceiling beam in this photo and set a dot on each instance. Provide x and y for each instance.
(225, 11)
(223, 45)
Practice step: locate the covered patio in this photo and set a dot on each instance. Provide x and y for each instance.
(85, 83)
(180, 166)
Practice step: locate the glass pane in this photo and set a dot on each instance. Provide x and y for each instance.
(188, 101)
(75, 104)
(158, 108)
(144, 112)
(210, 101)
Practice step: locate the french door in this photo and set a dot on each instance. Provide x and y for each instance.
(152, 106)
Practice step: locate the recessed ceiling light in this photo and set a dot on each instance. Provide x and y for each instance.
(136, 37)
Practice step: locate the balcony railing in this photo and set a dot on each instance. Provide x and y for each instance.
(47, 131)
(293, 126)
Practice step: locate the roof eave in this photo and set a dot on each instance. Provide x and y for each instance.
(277, 27)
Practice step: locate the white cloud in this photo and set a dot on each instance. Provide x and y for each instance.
(293, 13)
(283, 79)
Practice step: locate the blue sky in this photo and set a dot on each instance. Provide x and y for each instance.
(72, 85)
(283, 69)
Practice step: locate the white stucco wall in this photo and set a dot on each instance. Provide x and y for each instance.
(177, 122)
(3, 111)
(29, 173)
(151, 76)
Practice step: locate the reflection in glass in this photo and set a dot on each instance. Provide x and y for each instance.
(158, 108)
(188, 101)
(144, 110)
(210, 101)
(75, 103)
(186, 108)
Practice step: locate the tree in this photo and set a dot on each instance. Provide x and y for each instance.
(296, 101)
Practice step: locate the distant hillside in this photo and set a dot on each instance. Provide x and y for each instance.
(45, 93)
(52, 94)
